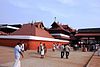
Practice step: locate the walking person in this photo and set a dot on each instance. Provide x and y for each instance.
(42, 50)
(62, 51)
(65, 49)
(98, 50)
(38, 50)
(17, 52)
(45, 49)
(54, 47)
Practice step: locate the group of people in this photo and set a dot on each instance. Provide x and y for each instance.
(88, 47)
(64, 48)
(42, 49)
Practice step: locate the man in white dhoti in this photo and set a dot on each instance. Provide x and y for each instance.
(17, 52)
(54, 47)
(42, 50)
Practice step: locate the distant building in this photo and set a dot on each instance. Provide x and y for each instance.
(9, 28)
(89, 35)
(63, 32)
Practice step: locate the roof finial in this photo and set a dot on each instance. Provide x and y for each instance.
(55, 19)
(32, 22)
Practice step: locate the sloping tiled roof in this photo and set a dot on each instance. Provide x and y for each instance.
(42, 33)
(26, 29)
(2, 33)
(57, 26)
(62, 37)
(92, 30)
(9, 28)
(38, 23)
(31, 29)
(87, 34)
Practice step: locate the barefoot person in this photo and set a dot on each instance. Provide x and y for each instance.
(42, 50)
(17, 52)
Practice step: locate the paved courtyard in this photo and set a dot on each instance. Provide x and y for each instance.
(95, 61)
(52, 59)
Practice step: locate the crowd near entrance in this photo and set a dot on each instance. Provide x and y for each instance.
(86, 44)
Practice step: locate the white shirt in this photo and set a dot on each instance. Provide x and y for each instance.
(54, 46)
(22, 47)
(67, 48)
(17, 49)
(62, 47)
(41, 49)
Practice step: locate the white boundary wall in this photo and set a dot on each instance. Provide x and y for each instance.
(30, 38)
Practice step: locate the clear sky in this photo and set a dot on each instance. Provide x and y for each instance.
(75, 13)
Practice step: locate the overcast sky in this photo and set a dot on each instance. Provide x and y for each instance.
(75, 13)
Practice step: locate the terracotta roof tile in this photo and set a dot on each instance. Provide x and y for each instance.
(2, 33)
(31, 29)
(87, 34)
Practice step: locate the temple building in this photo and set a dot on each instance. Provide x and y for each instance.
(88, 36)
(60, 31)
(32, 34)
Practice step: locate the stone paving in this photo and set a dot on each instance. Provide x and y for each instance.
(95, 61)
(52, 59)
